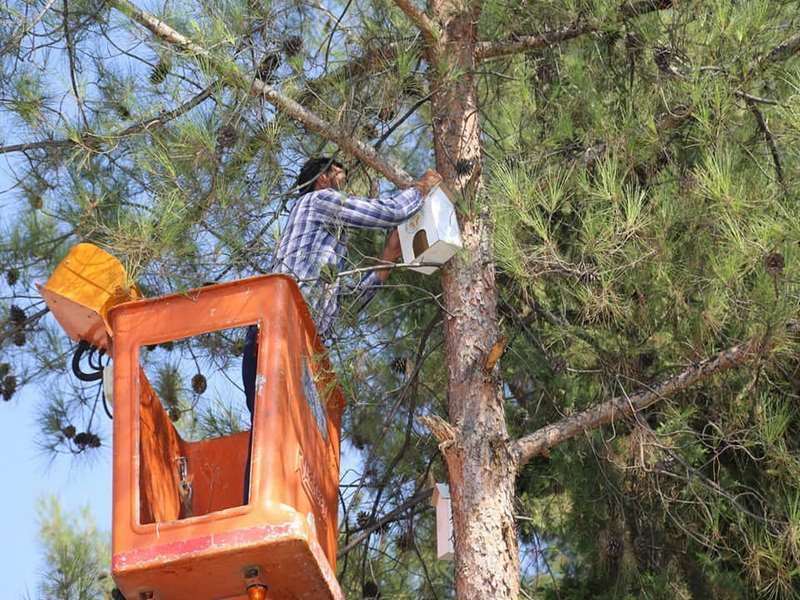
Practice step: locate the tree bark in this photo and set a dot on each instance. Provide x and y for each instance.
(540, 441)
(480, 465)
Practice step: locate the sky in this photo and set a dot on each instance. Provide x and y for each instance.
(29, 475)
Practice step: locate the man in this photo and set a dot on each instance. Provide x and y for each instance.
(316, 236)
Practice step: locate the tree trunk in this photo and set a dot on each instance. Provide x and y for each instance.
(481, 468)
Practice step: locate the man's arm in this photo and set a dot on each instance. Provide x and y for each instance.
(367, 213)
(392, 251)
(370, 283)
(375, 213)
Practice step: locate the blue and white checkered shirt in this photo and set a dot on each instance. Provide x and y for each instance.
(316, 236)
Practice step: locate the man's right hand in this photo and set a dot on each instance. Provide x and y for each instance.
(428, 181)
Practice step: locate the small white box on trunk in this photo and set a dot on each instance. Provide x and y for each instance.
(444, 521)
(431, 235)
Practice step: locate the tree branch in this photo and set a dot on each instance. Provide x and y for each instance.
(552, 435)
(36, 146)
(231, 73)
(23, 30)
(441, 430)
(768, 137)
(387, 518)
(93, 139)
(488, 50)
(784, 50)
(426, 25)
(72, 65)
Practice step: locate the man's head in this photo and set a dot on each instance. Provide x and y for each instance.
(320, 173)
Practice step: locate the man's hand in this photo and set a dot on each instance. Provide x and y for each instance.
(391, 253)
(428, 181)
(392, 250)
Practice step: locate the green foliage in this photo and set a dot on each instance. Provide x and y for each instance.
(641, 223)
(75, 555)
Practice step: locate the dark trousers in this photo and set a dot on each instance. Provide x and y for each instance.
(249, 366)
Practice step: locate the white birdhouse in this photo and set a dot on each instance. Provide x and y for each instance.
(444, 521)
(431, 235)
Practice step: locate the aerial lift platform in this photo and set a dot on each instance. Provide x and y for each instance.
(181, 528)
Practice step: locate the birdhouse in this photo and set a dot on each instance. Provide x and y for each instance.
(440, 500)
(431, 237)
(182, 525)
(87, 283)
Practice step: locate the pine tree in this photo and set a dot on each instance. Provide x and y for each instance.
(75, 554)
(608, 366)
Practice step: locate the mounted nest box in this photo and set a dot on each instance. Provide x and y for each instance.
(431, 237)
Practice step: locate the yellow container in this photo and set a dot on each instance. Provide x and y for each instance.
(83, 288)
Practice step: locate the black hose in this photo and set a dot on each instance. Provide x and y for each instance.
(105, 402)
(83, 346)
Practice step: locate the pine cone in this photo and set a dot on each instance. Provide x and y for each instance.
(9, 387)
(19, 338)
(398, 365)
(664, 59)
(199, 383)
(82, 439)
(69, 431)
(387, 113)
(16, 314)
(359, 440)
(12, 276)
(227, 136)
(267, 67)
(160, 71)
(293, 45)
(370, 590)
(174, 414)
(405, 541)
(370, 131)
(774, 263)
(122, 110)
(363, 519)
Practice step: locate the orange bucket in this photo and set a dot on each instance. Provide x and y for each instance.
(285, 536)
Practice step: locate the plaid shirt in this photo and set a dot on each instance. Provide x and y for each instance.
(316, 236)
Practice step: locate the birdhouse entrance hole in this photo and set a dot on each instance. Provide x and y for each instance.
(194, 427)
(420, 243)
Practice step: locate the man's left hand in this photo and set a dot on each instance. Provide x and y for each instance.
(391, 253)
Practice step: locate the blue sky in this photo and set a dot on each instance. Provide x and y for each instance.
(29, 475)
